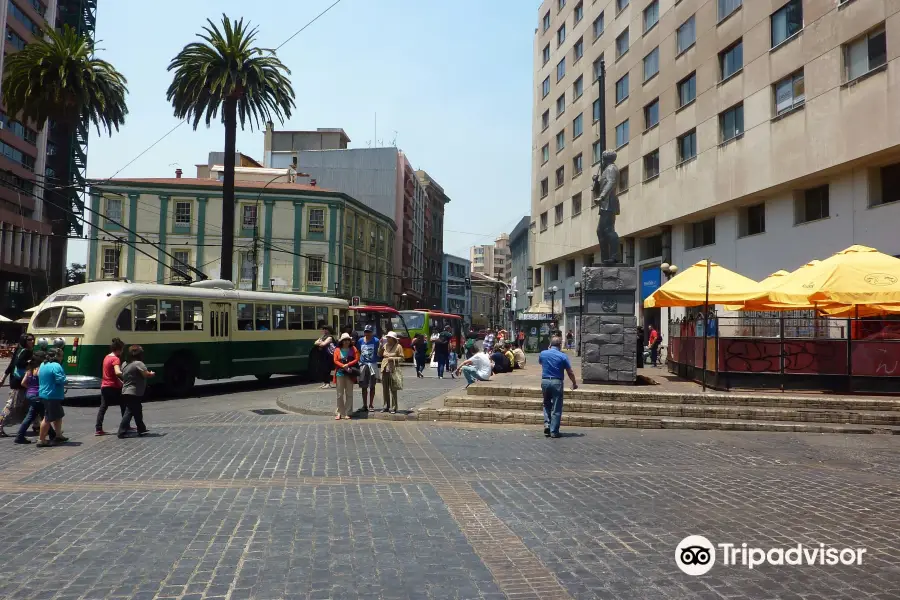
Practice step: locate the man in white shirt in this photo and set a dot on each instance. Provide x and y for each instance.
(477, 368)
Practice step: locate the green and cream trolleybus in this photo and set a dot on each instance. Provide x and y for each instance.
(206, 330)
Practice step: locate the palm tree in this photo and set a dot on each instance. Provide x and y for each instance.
(227, 70)
(58, 78)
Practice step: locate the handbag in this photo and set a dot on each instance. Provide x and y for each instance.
(397, 379)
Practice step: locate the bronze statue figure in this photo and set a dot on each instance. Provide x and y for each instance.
(606, 185)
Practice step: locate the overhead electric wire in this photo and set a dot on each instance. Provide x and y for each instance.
(316, 18)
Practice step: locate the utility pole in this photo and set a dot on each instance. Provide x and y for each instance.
(255, 247)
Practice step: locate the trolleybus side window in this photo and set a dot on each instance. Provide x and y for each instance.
(48, 317)
(213, 323)
(279, 317)
(193, 315)
(295, 318)
(170, 315)
(245, 317)
(71, 317)
(309, 318)
(263, 322)
(322, 315)
(123, 321)
(146, 315)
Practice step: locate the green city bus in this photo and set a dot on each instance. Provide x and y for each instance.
(431, 322)
(206, 330)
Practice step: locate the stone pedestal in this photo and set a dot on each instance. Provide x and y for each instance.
(609, 325)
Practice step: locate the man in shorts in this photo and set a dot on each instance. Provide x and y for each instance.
(368, 366)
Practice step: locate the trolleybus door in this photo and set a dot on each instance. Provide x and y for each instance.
(220, 331)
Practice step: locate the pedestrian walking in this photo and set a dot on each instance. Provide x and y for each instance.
(420, 354)
(134, 385)
(654, 341)
(391, 354)
(345, 360)
(16, 404)
(52, 392)
(111, 384)
(476, 368)
(35, 414)
(570, 340)
(325, 347)
(442, 350)
(553, 363)
(452, 363)
(488, 344)
(368, 366)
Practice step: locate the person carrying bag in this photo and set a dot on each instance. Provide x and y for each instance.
(346, 357)
(391, 353)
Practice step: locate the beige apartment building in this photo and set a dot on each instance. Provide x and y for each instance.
(759, 133)
(492, 260)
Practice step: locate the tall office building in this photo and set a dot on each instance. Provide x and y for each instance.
(492, 259)
(34, 223)
(759, 133)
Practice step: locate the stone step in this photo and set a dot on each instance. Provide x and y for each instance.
(692, 411)
(527, 417)
(647, 394)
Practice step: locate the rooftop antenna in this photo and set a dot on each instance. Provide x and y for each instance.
(394, 141)
(375, 139)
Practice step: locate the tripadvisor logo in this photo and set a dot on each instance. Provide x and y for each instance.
(696, 555)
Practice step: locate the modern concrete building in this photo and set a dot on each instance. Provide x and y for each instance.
(521, 273)
(380, 178)
(492, 259)
(457, 298)
(435, 284)
(293, 237)
(34, 227)
(760, 133)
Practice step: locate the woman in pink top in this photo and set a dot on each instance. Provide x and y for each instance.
(111, 384)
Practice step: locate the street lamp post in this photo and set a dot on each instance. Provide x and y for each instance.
(530, 295)
(553, 291)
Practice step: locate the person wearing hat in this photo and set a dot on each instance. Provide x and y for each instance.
(346, 358)
(52, 392)
(368, 366)
(391, 353)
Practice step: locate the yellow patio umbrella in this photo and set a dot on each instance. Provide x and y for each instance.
(773, 282)
(767, 283)
(857, 276)
(689, 287)
(860, 310)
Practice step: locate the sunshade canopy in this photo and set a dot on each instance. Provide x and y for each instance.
(688, 288)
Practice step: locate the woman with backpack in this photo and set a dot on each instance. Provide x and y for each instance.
(32, 384)
(16, 405)
(325, 346)
(345, 359)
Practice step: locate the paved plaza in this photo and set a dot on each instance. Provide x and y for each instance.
(221, 502)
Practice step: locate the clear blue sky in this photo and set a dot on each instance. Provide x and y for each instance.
(450, 80)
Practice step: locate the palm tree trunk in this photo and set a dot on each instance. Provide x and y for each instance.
(228, 209)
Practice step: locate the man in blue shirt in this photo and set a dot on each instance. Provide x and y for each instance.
(368, 366)
(553, 363)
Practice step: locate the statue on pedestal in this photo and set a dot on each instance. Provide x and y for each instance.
(606, 184)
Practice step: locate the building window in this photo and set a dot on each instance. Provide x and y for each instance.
(731, 122)
(621, 4)
(651, 165)
(314, 270)
(687, 146)
(576, 204)
(545, 87)
(316, 220)
(865, 53)
(598, 26)
(17, 156)
(731, 60)
(543, 222)
(578, 87)
(110, 263)
(248, 216)
(597, 67)
(561, 69)
(40, 7)
(579, 11)
(651, 15)
(560, 177)
(558, 214)
(623, 180)
(651, 114)
(545, 187)
(560, 105)
(561, 35)
(651, 64)
(182, 214)
(790, 93)
(246, 266)
(702, 233)
(546, 54)
(685, 36)
(726, 7)
(537, 274)
(622, 88)
(114, 210)
(24, 19)
(595, 153)
(577, 127)
(687, 90)
(622, 134)
(547, 21)
(812, 205)
(651, 247)
(786, 21)
(545, 153)
(545, 120)
(578, 50)
(752, 220)
(554, 272)
(622, 44)
(570, 267)
(560, 140)
(21, 131)
(15, 40)
(596, 110)
(577, 165)
(889, 182)
(560, 4)
(182, 261)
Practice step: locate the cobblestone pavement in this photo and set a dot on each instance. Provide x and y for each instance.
(223, 503)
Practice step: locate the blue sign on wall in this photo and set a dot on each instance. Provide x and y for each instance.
(650, 277)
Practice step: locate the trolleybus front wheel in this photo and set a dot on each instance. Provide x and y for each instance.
(179, 375)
